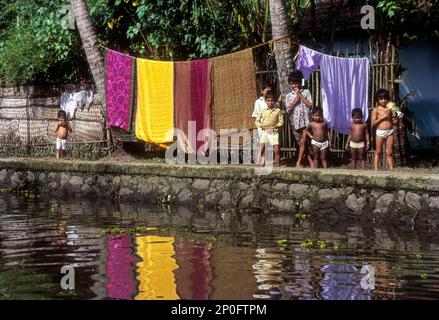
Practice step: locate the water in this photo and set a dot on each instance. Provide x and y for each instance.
(192, 254)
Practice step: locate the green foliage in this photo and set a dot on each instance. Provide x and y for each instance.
(21, 58)
(35, 46)
(187, 29)
(80, 151)
(411, 19)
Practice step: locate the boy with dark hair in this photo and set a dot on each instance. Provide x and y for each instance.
(261, 104)
(270, 120)
(62, 130)
(317, 131)
(383, 121)
(298, 105)
(358, 139)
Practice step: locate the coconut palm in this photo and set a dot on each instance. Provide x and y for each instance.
(280, 28)
(90, 42)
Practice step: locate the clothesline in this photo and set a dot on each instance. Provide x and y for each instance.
(253, 47)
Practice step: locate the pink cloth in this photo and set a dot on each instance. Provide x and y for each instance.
(119, 89)
(120, 267)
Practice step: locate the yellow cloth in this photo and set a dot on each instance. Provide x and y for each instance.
(156, 271)
(155, 101)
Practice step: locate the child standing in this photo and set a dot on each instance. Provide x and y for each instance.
(62, 130)
(317, 130)
(358, 139)
(270, 120)
(382, 120)
(261, 104)
(298, 105)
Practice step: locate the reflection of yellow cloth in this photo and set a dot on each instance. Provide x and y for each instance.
(155, 101)
(156, 274)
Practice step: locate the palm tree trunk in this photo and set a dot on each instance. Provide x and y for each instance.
(89, 42)
(284, 57)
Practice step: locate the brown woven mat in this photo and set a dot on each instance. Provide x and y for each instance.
(234, 91)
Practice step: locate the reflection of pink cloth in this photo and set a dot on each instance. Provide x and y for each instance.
(119, 89)
(120, 268)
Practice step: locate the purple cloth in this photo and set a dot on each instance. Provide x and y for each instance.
(120, 267)
(342, 282)
(345, 86)
(308, 61)
(119, 89)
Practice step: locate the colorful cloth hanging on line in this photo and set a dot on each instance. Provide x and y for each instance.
(345, 85)
(234, 91)
(155, 102)
(119, 89)
(192, 100)
(308, 61)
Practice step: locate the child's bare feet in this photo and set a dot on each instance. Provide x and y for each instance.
(298, 165)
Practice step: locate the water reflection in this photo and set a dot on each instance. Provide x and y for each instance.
(120, 269)
(194, 271)
(156, 269)
(242, 259)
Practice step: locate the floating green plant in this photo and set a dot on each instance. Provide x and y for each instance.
(313, 243)
(113, 231)
(424, 276)
(418, 256)
(282, 243)
(211, 239)
(302, 216)
(54, 208)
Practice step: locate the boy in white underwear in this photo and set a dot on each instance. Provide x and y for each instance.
(383, 121)
(358, 139)
(62, 130)
(317, 130)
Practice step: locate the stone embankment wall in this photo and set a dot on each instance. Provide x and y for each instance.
(332, 194)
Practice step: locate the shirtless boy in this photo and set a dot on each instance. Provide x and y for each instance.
(317, 130)
(62, 130)
(382, 120)
(358, 139)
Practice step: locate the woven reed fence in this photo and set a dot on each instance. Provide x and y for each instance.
(28, 116)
